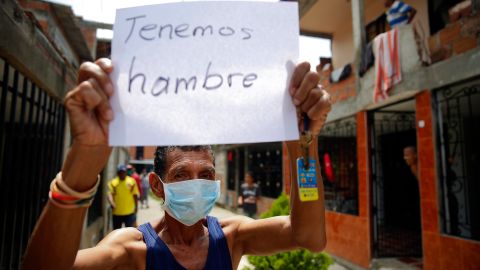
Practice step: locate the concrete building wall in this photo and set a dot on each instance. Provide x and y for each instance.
(343, 51)
(221, 174)
(33, 45)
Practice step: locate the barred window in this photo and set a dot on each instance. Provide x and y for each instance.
(337, 149)
(265, 162)
(458, 146)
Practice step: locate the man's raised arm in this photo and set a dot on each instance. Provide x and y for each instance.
(56, 237)
(305, 227)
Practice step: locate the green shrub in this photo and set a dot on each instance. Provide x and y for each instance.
(298, 259)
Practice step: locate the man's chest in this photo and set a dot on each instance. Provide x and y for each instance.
(191, 257)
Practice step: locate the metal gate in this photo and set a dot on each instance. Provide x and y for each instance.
(31, 141)
(458, 130)
(393, 191)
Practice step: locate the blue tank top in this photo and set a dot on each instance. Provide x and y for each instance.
(160, 257)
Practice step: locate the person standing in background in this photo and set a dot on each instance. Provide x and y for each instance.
(145, 189)
(123, 196)
(132, 172)
(399, 13)
(249, 196)
(410, 157)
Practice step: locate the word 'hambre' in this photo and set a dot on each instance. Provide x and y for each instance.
(211, 81)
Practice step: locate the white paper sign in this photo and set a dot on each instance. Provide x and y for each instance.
(196, 73)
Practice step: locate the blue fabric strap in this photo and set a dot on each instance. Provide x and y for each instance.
(158, 254)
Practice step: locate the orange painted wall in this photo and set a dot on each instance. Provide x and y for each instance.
(349, 236)
(439, 251)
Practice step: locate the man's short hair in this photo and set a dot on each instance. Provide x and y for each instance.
(414, 148)
(161, 153)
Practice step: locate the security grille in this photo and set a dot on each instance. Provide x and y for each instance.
(458, 133)
(31, 140)
(337, 149)
(396, 201)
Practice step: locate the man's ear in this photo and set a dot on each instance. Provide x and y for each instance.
(156, 185)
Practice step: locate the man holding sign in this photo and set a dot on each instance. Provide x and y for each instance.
(54, 243)
(184, 177)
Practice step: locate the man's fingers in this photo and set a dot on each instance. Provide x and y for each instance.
(105, 64)
(84, 95)
(89, 95)
(103, 107)
(321, 108)
(309, 82)
(312, 98)
(297, 76)
(90, 70)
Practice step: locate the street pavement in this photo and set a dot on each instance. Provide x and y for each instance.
(155, 212)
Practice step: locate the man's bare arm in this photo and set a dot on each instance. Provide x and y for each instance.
(305, 226)
(411, 15)
(111, 252)
(56, 237)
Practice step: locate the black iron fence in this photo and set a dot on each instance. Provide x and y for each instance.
(31, 145)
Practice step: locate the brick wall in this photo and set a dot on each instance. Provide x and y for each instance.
(456, 38)
(148, 152)
(439, 251)
(341, 90)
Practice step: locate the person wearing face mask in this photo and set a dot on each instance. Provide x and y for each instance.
(184, 178)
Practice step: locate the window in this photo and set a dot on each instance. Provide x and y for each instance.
(265, 162)
(376, 27)
(337, 149)
(458, 147)
(139, 152)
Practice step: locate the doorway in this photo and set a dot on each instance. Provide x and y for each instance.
(396, 197)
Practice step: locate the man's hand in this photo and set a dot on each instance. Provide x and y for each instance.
(309, 97)
(87, 104)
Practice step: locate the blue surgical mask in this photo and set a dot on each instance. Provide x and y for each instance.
(191, 200)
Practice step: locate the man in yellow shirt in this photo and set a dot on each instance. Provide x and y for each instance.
(123, 195)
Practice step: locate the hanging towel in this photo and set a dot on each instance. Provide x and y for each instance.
(387, 63)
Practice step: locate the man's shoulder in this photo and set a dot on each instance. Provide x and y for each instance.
(233, 221)
(130, 180)
(123, 237)
(114, 181)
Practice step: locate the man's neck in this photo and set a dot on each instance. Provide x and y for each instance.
(174, 232)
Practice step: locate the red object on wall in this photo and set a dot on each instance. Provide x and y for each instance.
(329, 173)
